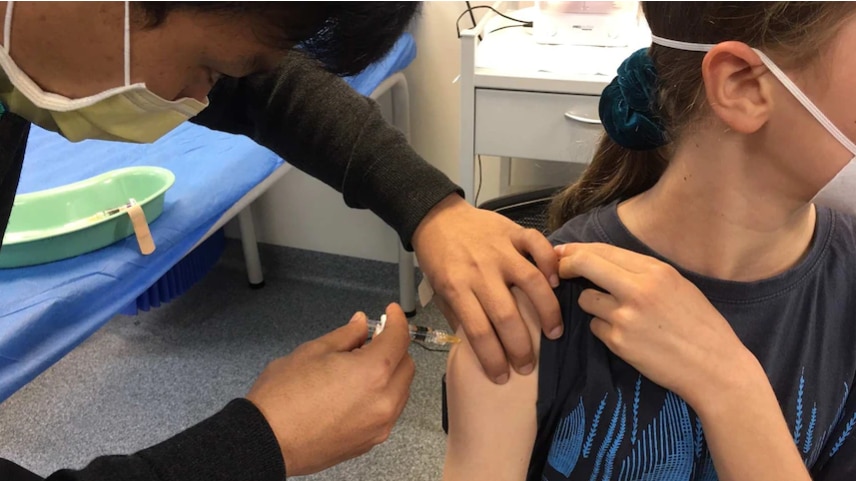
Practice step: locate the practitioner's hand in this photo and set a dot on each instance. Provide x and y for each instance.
(656, 320)
(334, 398)
(472, 258)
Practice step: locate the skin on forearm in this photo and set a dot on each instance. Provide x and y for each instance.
(449, 204)
(746, 433)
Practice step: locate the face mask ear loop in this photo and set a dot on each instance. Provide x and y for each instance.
(127, 43)
(807, 103)
(7, 27)
(779, 74)
(678, 45)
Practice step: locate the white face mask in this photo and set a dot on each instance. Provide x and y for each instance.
(129, 113)
(840, 192)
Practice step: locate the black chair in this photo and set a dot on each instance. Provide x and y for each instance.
(528, 209)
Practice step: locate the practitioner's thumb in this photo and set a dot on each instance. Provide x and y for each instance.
(350, 336)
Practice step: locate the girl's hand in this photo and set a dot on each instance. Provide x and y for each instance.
(659, 322)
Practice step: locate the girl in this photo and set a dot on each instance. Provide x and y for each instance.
(712, 158)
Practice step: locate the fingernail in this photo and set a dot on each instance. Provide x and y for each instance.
(527, 369)
(554, 281)
(559, 249)
(556, 333)
(502, 379)
(357, 317)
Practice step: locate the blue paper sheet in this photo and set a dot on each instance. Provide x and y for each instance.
(47, 310)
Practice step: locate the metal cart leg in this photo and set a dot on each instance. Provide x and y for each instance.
(504, 175)
(251, 248)
(406, 281)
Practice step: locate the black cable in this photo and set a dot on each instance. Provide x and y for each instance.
(501, 14)
(458, 21)
(478, 189)
(473, 18)
(470, 11)
(509, 26)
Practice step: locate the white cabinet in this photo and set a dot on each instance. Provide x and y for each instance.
(530, 101)
(536, 125)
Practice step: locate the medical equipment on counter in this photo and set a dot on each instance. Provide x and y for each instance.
(421, 334)
(597, 24)
(585, 45)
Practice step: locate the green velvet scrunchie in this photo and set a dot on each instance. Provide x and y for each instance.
(628, 105)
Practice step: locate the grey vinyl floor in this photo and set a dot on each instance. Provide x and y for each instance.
(140, 379)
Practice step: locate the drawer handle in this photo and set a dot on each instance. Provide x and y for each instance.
(580, 118)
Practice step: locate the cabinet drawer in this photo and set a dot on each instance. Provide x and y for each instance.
(533, 125)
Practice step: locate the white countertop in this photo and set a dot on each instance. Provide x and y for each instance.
(514, 52)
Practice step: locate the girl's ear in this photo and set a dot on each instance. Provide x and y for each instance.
(737, 87)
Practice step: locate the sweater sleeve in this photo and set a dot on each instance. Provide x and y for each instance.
(236, 443)
(13, 143)
(319, 124)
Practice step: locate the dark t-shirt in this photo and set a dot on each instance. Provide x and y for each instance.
(599, 419)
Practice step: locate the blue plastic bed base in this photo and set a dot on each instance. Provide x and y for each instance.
(190, 270)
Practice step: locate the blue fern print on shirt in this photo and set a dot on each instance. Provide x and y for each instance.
(636, 392)
(798, 418)
(568, 441)
(666, 448)
(809, 434)
(672, 446)
(810, 455)
(699, 440)
(848, 428)
(618, 412)
(613, 450)
(593, 430)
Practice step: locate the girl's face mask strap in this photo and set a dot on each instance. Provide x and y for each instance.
(838, 192)
(780, 75)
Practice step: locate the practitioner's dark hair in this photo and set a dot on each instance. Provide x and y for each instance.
(346, 37)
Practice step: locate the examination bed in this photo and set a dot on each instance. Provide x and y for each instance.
(47, 310)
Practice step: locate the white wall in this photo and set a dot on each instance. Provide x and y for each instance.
(301, 212)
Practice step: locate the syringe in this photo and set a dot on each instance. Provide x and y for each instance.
(422, 334)
(110, 212)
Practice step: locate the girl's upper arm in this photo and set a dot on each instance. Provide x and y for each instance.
(491, 427)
